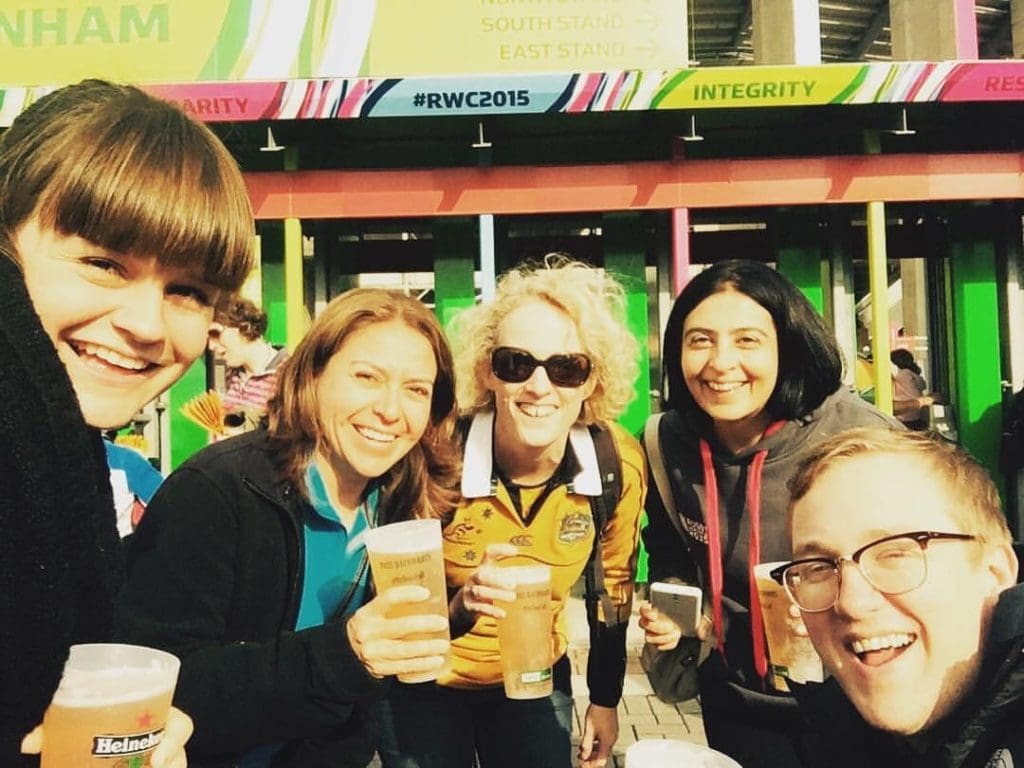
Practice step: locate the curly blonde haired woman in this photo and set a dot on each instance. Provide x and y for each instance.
(550, 355)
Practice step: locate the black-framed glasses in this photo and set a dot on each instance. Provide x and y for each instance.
(517, 365)
(892, 565)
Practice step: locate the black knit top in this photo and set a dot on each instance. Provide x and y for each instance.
(59, 552)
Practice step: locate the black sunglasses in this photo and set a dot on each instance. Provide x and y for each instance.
(517, 365)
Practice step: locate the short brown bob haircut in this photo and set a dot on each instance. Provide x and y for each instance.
(129, 173)
(974, 499)
(424, 482)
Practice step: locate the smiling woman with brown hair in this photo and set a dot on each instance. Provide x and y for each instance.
(250, 563)
(105, 301)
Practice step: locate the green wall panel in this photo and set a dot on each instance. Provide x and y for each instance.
(625, 256)
(978, 372)
(455, 250)
(186, 437)
(274, 299)
(802, 265)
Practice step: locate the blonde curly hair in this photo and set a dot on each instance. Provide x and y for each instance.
(591, 297)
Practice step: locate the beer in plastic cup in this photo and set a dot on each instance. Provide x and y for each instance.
(673, 753)
(524, 635)
(789, 655)
(410, 553)
(110, 707)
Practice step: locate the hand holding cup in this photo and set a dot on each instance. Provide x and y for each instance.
(170, 753)
(487, 584)
(399, 645)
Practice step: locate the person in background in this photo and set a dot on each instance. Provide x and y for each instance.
(753, 381)
(252, 362)
(909, 401)
(905, 577)
(550, 355)
(250, 563)
(107, 285)
(133, 481)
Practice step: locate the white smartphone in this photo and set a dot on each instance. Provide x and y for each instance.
(681, 602)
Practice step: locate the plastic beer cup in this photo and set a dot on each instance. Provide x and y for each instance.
(790, 655)
(110, 707)
(673, 753)
(410, 553)
(524, 635)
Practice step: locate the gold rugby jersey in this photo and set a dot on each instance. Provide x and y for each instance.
(559, 533)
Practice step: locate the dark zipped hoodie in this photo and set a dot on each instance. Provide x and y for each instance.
(752, 498)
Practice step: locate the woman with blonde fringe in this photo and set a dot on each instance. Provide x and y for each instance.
(549, 357)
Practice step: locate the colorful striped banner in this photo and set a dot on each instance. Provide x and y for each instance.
(613, 91)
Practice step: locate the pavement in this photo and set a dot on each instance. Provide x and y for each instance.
(642, 715)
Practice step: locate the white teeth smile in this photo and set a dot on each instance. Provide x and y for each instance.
(536, 411)
(895, 640)
(111, 357)
(723, 386)
(373, 434)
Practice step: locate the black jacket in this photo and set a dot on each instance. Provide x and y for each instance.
(214, 576)
(986, 730)
(59, 551)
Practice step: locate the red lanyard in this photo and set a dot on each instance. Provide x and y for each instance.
(753, 551)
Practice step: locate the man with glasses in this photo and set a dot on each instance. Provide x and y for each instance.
(904, 575)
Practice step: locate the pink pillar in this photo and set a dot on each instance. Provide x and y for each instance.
(680, 249)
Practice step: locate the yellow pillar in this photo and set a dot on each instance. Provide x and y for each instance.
(295, 312)
(295, 302)
(878, 282)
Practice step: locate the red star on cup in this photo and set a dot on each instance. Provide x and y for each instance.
(145, 720)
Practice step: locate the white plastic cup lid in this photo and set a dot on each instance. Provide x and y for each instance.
(672, 753)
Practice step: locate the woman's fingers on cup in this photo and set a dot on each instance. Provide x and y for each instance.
(32, 744)
(170, 753)
(400, 657)
(375, 637)
(498, 551)
(389, 598)
(479, 599)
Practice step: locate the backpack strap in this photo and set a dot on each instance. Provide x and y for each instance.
(652, 446)
(602, 508)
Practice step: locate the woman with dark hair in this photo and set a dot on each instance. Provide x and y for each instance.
(250, 563)
(909, 401)
(753, 380)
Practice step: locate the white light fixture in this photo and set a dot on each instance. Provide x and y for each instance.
(481, 142)
(902, 129)
(692, 135)
(271, 145)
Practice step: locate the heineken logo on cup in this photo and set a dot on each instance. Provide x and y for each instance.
(133, 744)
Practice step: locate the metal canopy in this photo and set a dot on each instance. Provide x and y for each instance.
(851, 30)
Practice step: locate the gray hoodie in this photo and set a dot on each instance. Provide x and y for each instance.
(680, 435)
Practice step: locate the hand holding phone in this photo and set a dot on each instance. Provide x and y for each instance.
(680, 602)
